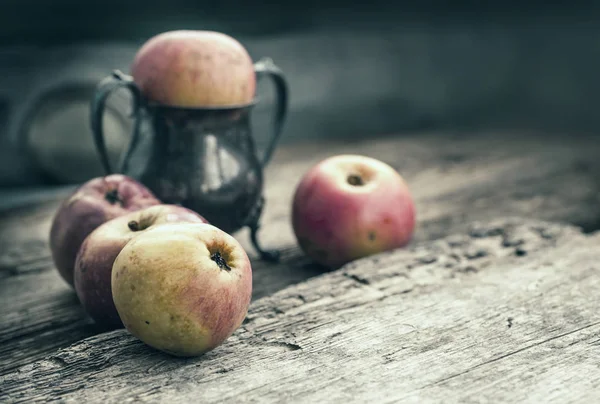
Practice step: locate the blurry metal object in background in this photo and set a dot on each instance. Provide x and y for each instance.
(44, 134)
(57, 133)
(203, 158)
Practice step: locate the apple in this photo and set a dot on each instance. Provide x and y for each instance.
(350, 206)
(182, 288)
(194, 68)
(94, 262)
(91, 204)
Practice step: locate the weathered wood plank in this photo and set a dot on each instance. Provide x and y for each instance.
(454, 180)
(504, 313)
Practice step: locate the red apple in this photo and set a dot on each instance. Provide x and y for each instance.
(93, 266)
(351, 206)
(182, 288)
(191, 68)
(93, 203)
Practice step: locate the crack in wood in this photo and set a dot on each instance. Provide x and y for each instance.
(362, 281)
(287, 345)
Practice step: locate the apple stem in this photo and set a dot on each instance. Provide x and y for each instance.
(218, 258)
(355, 179)
(112, 196)
(133, 225)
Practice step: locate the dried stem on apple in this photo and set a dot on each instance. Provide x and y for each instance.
(355, 179)
(113, 197)
(220, 261)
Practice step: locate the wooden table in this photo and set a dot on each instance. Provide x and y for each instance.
(496, 300)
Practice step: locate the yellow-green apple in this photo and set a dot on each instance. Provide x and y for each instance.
(194, 68)
(350, 206)
(93, 266)
(91, 204)
(182, 288)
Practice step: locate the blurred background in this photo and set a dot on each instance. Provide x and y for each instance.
(354, 70)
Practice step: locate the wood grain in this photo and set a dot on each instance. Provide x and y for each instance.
(455, 180)
(503, 313)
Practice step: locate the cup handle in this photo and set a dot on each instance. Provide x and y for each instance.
(109, 84)
(266, 68)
